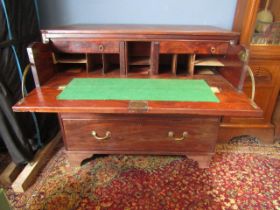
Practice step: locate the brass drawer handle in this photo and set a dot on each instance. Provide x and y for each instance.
(107, 135)
(171, 135)
(101, 47)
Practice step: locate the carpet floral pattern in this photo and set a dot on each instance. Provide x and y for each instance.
(239, 177)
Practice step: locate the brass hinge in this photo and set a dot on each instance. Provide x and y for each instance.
(244, 55)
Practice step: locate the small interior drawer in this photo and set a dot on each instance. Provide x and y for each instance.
(196, 47)
(150, 134)
(86, 46)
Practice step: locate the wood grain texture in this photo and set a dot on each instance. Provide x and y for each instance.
(191, 61)
(139, 32)
(76, 158)
(275, 7)
(247, 9)
(264, 61)
(239, 15)
(174, 63)
(236, 71)
(271, 52)
(267, 89)
(123, 58)
(154, 58)
(134, 131)
(85, 46)
(140, 133)
(193, 47)
(263, 132)
(231, 103)
(276, 118)
(40, 57)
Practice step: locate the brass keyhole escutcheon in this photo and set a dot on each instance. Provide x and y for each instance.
(183, 137)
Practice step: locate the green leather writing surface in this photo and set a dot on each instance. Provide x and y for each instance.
(138, 89)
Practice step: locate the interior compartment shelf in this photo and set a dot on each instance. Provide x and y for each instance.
(139, 57)
(218, 61)
(139, 60)
(71, 61)
(208, 62)
(69, 58)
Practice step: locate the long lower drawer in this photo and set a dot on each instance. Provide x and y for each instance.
(143, 133)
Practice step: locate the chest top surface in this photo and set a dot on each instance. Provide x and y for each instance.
(156, 31)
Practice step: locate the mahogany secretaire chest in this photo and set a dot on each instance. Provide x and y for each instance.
(139, 51)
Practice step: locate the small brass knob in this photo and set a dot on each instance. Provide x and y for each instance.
(101, 48)
(213, 50)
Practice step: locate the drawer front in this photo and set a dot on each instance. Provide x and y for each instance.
(196, 47)
(82, 46)
(141, 134)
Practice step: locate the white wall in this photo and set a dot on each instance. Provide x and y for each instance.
(193, 12)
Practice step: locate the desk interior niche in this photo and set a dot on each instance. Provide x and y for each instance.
(139, 58)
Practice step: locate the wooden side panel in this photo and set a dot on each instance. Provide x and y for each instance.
(123, 58)
(174, 63)
(275, 7)
(239, 15)
(231, 74)
(245, 17)
(236, 74)
(267, 89)
(40, 57)
(154, 60)
(191, 60)
(276, 119)
(263, 132)
(105, 64)
(267, 85)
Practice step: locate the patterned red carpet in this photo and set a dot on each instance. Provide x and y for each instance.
(240, 177)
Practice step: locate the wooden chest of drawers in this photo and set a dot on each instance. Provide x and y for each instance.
(161, 127)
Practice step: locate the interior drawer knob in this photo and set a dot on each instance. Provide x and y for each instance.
(213, 50)
(172, 135)
(101, 48)
(97, 137)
